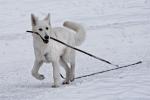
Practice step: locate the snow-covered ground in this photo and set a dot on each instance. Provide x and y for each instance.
(117, 30)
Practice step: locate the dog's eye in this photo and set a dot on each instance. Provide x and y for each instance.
(46, 28)
(40, 29)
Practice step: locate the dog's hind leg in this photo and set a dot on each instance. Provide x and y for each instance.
(72, 72)
(56, 73)
(35, 69)
(72, 69)
(67, 69)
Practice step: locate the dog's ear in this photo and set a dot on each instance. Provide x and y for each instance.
(33, 20)
(47, 18)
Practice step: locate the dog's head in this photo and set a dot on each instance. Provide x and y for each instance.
(43, 27)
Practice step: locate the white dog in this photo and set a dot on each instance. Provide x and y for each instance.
(51, 51)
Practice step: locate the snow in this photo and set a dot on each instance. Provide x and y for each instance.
(117, 30)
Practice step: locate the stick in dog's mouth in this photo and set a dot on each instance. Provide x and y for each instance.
(44, 40)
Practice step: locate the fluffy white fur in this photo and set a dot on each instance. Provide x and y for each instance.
(54, 52)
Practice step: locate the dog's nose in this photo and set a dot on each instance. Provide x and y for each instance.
(46, 37)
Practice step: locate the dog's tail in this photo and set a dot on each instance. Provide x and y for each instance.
(80, 32)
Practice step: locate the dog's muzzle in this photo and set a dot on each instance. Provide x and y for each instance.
(46, 39)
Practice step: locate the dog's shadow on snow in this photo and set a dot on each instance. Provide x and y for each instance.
(40, 85)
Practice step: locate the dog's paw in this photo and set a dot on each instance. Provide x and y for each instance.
(38, 76)
(65, 82)
(41, 77)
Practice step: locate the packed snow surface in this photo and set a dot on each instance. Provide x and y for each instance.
(117, 30)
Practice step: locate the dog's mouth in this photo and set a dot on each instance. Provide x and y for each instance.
(45, 41)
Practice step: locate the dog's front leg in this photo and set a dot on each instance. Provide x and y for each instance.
(56, 74)
(36, 67)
